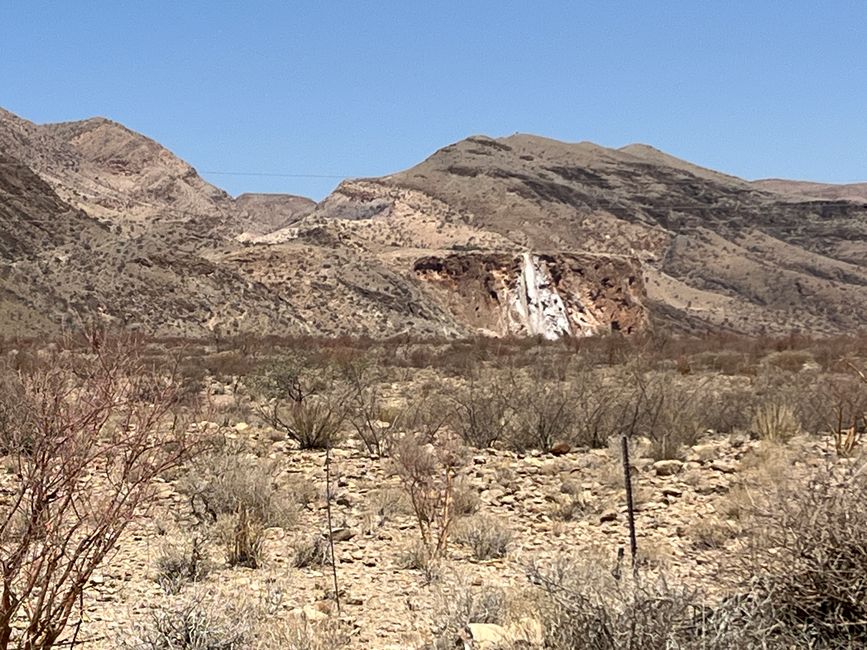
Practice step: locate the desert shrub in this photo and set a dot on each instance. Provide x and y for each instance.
(726, 362)
(597, 406)
(775, 421)
(243, 536)
(311, 551)
(419, 557)
(428, 473)
(226, 481)
(427, 415)
(570, 504)
(200, 622)
(710, 533)
(234, 497)
(790, 360)
(383, 504)
(191, 624)
(457, 605)
(661, 406)
(486, 536)
(227, 365)
(483, 412)
(293, 377)
(726, 408)
(375, 422)
(301, 397)
(180, 564)
(465, 498)
(842, 401)
(807, 564)
(330, 634)
(582, 606)
(315, 423)
(544, 412)
(302, 491)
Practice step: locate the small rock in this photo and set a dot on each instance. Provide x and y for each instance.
(608, 515)
(487, 635)
(667, 467)
(308, 613)
(241, 426)
(723, 466)
(703, 453)
(343, 534)
(560, 448)
(671, 491)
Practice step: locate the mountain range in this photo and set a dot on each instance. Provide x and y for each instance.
(517, 235)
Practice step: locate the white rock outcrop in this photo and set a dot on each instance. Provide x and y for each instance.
(536, 305)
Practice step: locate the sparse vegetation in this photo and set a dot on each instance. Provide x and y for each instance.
(487, 537)
(462, 452)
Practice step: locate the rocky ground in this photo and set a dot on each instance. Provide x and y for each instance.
(571, 504)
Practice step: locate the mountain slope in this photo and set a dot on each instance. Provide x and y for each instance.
(717, 251)
(521, 235)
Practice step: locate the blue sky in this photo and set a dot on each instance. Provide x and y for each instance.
(359, 88)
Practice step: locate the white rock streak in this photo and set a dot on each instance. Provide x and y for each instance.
(539, 307)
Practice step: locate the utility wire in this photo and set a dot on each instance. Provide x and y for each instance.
(277, 175)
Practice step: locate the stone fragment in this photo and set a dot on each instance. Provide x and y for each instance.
(486, 636)
(667, 467)
(560, 448)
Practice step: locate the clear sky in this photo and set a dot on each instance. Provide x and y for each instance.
(363, 88)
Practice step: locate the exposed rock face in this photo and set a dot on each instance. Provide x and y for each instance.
(547, 295)
(538, 307)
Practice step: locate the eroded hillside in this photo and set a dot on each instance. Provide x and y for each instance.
(495, 236)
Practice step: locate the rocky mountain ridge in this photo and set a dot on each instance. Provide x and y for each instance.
(519, 235)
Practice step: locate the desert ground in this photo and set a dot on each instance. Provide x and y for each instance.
(473, 492)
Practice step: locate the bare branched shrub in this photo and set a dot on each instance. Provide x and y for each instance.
(598, 406)
(487, 536)
(86, 435)
(300, 397)
(375, 422)
(544, 412)
(428, 473)
(483, 412)
(844, 405)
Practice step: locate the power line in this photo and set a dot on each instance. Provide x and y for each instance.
(277, 175)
